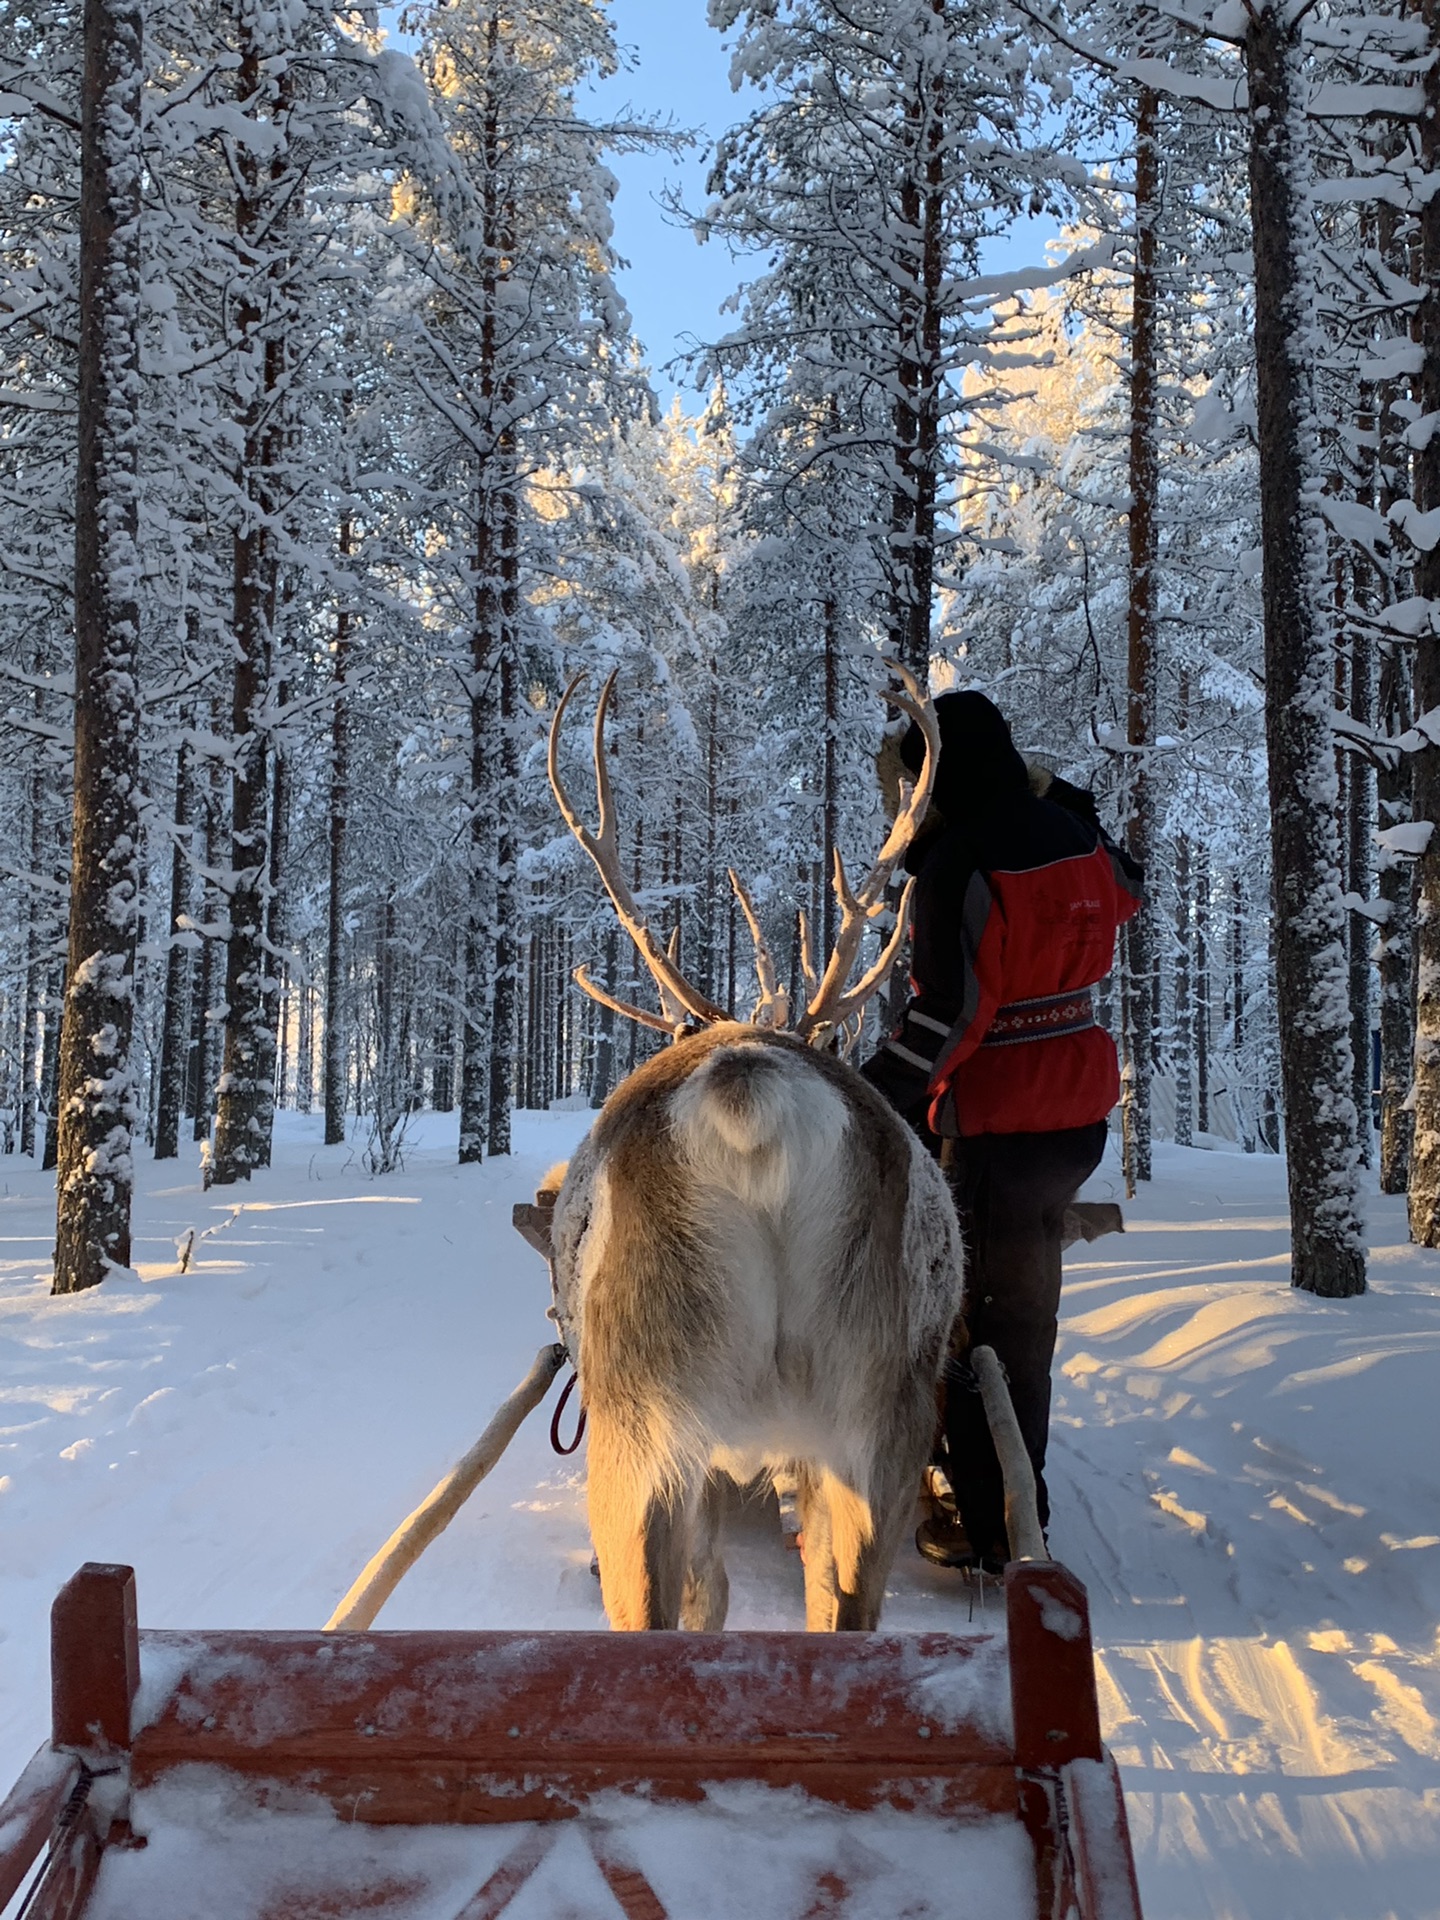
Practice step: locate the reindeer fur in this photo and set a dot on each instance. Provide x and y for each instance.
(756, 1267)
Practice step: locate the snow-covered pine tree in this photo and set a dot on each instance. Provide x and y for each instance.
(175, 1024)
(335, 849)
(270, 183)
(892, 140)
(1419, 521)
(516, 341)
(1141, 637)
(41, 59)
(272, 130)
(1311, 976)
(97, 1106)
(805, 589)
(1310, 949)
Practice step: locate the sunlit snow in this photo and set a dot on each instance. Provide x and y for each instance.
(1248, 1479)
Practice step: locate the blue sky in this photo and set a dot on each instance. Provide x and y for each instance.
(676, 68)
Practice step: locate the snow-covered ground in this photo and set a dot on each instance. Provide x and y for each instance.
(1247, 1479)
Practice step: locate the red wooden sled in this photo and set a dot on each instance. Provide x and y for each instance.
(570, 1748)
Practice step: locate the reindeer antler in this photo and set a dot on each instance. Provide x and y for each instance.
(680, 1003)
(830, 1004)
(772, 1009)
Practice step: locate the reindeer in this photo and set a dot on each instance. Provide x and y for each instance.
(756, 1264)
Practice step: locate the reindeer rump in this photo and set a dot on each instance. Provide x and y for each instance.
(757, 1267)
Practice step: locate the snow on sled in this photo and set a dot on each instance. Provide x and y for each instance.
(469, 1776)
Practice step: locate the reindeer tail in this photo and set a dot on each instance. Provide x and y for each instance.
(758, 1124)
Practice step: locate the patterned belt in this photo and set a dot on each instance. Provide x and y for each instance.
(1041, 1019)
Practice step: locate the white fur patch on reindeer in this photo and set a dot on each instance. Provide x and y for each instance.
(759, 1125)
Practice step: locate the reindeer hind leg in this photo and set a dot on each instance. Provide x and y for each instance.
(864, 1597)
(894, 1480)
(706, 1599)
(822, 1593)
(852, 1537)
(851, 1540)
(641, 1536)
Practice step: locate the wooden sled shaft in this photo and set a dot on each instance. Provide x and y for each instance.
(386, 1569)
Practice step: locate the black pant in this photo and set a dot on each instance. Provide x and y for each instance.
(1011, 1190)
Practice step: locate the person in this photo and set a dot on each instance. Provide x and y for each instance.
(999, 1064)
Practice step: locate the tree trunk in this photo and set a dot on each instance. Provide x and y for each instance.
(304, 1040)
(931, 395)
(1140, 618)
(547, 1017)
(273, 1078)
(1180, 1055)
(479, 935)
(246, 1090)
(732, 940)
(390, 1081)
(564, 1016)
(1425, 1149)
(527, 1051)
(12, 1048)
(1395, 951)
(830, 779)
(486, 652)
(709, 931)
(207, 1034)
(97, 1084)
(34, 967)
(27, 1047)
(502, 1013)
(442, 1049)
(1242, 1091)
(793, 984)
(282, 1060)
(603, 1076)
(1360, 832)
(917, 449)
(175, 1032)
(50, 1068)
(335, 1102)
(1327, 1253)
(1200, 1020)
(243, 1090)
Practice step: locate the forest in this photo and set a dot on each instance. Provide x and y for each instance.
(328, 456)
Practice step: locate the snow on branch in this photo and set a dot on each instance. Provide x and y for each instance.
(1352, 520)
(997, 286)
(1379, 912)
(1383, 749)
(1225, 96)
(1403, 619)
(1408, 840)
(1331, 100)
(1355, 189)
(1422, 530)
(1390, 359)
(1362, 100)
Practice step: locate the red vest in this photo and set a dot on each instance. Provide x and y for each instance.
(1035, 934)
